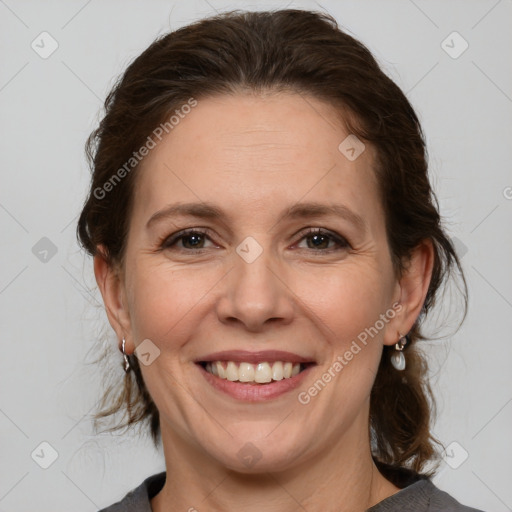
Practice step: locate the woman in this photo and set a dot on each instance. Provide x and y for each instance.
(267, 245)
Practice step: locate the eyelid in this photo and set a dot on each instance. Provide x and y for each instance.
(169, 240)
(341, 241)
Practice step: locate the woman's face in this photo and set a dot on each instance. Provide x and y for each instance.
(253, 286)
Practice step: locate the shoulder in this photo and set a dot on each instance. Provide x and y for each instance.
(442, 501)
(138, 499)
(417, 493)
(421, 496)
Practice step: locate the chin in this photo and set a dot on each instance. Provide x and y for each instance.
(263, 452)
(252, 461)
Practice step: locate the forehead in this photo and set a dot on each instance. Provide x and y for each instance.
(244, 151)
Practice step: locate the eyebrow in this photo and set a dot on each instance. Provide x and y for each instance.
(307, 210)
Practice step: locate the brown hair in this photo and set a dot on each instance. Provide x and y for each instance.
(299, 51)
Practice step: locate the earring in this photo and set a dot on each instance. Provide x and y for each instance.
(127, 367)
(398, 358)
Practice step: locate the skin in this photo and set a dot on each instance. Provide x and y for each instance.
(254, 156)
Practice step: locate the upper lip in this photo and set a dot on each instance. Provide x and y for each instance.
(244, 356)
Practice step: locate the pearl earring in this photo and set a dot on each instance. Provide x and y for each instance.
(398, 358)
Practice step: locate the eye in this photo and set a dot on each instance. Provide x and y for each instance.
(321, 238)
(191, 239)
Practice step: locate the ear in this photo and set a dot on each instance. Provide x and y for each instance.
(412, 290)
(111, 285)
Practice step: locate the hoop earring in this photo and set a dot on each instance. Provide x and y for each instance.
(127, 367)
(398, 358)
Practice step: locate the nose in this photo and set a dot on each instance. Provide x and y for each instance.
(256, 294)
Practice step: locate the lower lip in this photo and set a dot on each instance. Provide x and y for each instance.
(254, 392)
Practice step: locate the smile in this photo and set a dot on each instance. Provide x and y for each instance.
(254, 376)
(260, 373)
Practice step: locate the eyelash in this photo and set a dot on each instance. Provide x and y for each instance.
(170, 241)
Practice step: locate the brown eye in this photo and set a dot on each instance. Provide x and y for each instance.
(192, 239)
(319, 240)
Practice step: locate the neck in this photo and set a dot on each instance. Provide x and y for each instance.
(342, 479)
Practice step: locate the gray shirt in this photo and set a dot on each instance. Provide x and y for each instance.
(419, 496)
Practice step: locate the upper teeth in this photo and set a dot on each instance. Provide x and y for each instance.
(247, 372)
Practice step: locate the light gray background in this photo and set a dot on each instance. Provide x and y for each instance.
(50, 312)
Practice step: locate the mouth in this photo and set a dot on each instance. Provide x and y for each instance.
(254, 376)
(249, 373)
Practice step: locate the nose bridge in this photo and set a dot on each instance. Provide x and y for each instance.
(255, 291)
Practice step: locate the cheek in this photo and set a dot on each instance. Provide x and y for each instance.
(167, 301)
(163, 300)
(344, 301)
